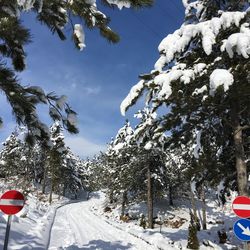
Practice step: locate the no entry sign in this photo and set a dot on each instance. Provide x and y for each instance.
(11, 202)
(241, 206)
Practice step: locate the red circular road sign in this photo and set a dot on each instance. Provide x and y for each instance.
(241, 206)
(11, 202)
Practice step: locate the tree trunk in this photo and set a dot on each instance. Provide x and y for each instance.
(171, 203)
(240, 163)
(150, 198)
(196, 219)
(64, 189)
(111, 198)
(88, 194)
(51, 191)
(44, 180)
(204, 213)
(124, 202)
(193, 242)
(52, 186)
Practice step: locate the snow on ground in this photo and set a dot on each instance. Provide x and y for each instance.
(30, 228)
(76, 227)
(168, 237)
(84, 225)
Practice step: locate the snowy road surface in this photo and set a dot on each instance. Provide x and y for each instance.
(76, 227)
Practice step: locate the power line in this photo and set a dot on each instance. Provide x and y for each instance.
(175, 5)
(147, 26)
(167, 13)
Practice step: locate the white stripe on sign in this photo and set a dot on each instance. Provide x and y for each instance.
(241, 206)
(11, 202)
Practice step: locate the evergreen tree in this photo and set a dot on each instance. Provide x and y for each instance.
(133, 166)
(12, 156)
(72, 174)
(90, 173)
(117, 158)
(151, 155)
(55, 167)
(200, 77)
(56, 158)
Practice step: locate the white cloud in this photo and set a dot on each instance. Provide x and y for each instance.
(91, 91)
(83, 147)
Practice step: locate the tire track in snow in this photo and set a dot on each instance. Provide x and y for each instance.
(88, 231)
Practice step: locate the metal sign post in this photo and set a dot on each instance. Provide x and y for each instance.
(11, 203)
(245, 246)
(6, 240)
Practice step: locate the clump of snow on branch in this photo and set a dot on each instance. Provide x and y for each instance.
(193, 186)
(238, 42)
(119, 4)
(197, 148)
(189, 6)
(79, 35)
(40, 8)
(26, 4)
(199, 68)
(208, 30)
(220, 77)
(201, 90)
(72, 119)
(91, 2)
(61, 102)
(148, 145)
(164, 80)
(132, 96)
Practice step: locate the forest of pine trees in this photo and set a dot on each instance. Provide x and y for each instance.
(54, 169)
(191, 138)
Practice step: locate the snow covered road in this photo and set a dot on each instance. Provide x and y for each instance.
(76, 227)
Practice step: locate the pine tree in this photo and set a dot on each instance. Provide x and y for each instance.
(200, 77)
(152, 145)
(71, 176)
(90, 173)
(56, 159)
(11, 156)
(64, 168)
(134, 165)
(117, 158)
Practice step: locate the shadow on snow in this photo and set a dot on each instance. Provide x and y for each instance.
(101, 245)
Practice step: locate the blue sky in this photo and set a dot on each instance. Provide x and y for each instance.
(97, 79)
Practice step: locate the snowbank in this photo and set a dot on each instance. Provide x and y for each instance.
(168, 237)
(30, 228)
